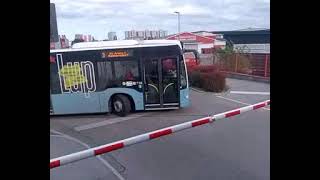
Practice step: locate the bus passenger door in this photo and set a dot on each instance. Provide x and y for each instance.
(169, 78)
(151, 83)
(161, 83)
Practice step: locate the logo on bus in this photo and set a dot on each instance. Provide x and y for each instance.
(76, 77)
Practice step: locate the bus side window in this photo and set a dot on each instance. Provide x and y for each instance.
(126, 71)
(104, 75)
(54, 79)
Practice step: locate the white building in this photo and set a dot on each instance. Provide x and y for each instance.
(146, 34)
(85, 38)
(195, 41)
(78, 36)
(112, 36)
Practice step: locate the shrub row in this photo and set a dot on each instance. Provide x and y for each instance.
(207, 77)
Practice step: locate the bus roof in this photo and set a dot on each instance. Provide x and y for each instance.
(82, 46)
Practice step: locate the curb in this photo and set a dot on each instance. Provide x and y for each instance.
(247, 77)
(207, 92)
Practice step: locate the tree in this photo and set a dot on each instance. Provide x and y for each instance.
(234, 59)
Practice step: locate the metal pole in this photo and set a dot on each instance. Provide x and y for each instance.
(266, 65)
(236, 66)
(178, 24)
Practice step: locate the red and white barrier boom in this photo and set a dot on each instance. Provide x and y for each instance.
(149, 136)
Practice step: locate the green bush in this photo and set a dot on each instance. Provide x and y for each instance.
(194, 78)
(207, 68)
(213, 82)
(208, 78)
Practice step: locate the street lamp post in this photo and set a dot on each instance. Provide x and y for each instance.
(178, 24)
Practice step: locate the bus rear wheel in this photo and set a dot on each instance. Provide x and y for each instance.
(121, 105)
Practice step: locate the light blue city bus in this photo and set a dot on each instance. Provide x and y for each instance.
(118, 77)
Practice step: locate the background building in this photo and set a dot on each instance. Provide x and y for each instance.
(64, 41)
(250, 40)
(255, 44)
(53, 24)
(203, 42)
(112, 36)
(85, 38)
(78, 36)
(146, 34)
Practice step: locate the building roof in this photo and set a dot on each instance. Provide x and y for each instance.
(243, 32)
(183, 33)
(192, 33)
(246, 36)
(252, 29)
(200, 31)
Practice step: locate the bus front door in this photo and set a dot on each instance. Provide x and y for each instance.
(161, 83)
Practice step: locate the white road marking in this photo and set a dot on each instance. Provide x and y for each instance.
(197, 90)
(239, 102)
(250, 92)
(114, 171)
(107, 122)
(55, 135)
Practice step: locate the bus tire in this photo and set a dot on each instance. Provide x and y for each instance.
(121, 105)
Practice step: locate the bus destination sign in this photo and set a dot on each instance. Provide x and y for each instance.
(119, 53)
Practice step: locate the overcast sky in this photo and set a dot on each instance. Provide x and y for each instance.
(98, 17)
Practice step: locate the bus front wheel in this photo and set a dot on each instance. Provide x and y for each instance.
(121, 105)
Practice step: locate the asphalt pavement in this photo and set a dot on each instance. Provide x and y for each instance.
(233, 148)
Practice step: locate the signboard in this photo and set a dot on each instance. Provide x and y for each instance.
(186, 38)
(118, 53)
(252, 48)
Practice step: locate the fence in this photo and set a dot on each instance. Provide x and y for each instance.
(249, 64)
(206, 59)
